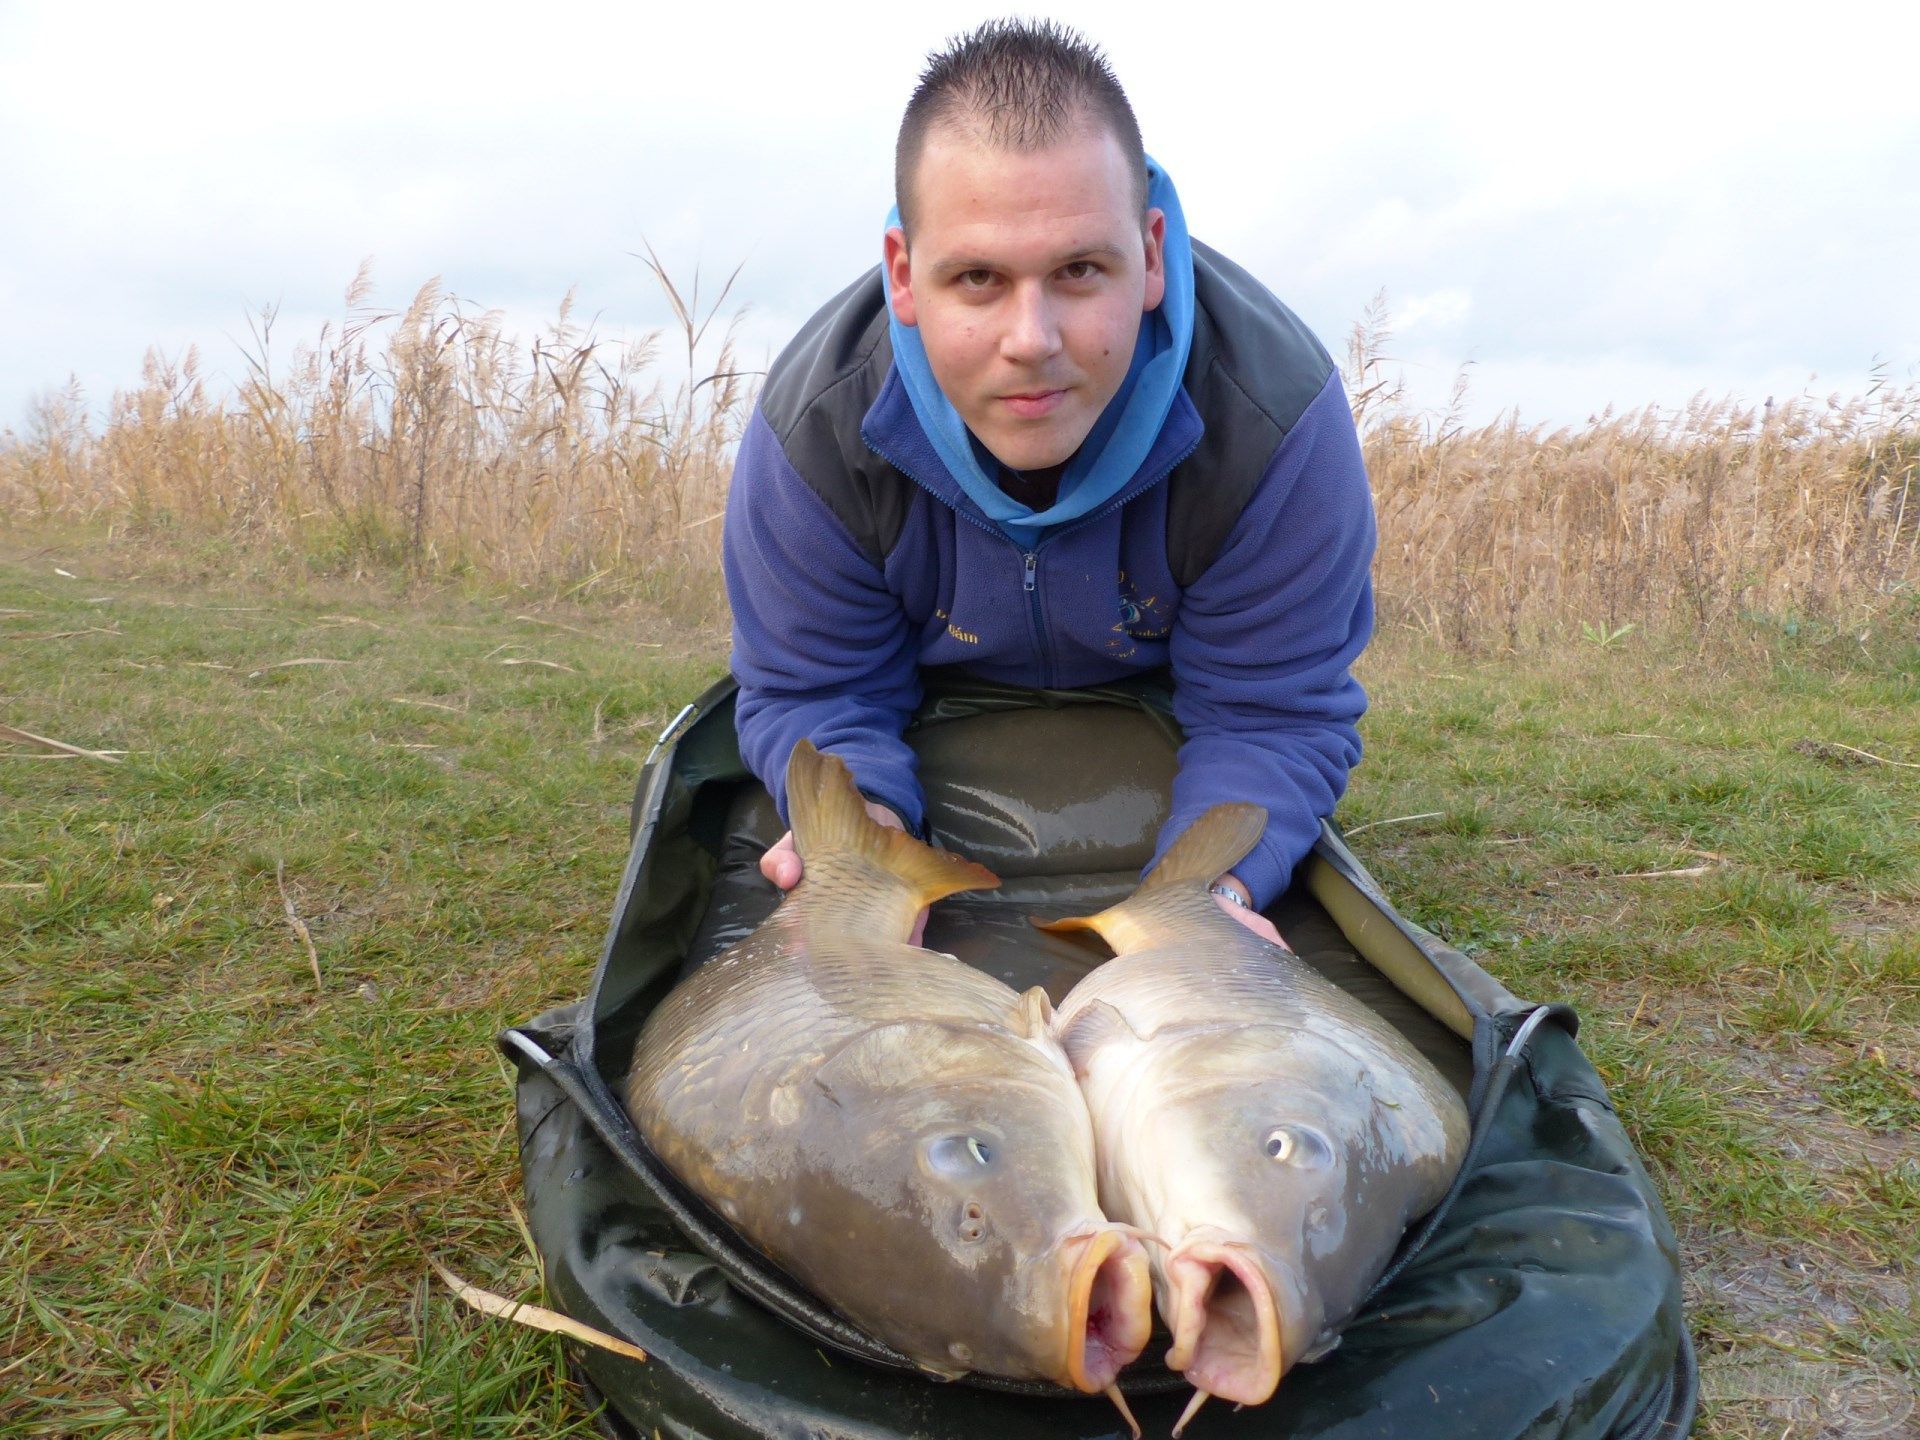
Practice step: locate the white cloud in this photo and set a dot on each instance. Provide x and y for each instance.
(1436, 310)
(1575, 200)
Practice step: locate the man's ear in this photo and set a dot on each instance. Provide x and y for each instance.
(1156, 240)
(900, 277)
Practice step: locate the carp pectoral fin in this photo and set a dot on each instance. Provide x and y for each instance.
(1066, 926)
(829, 814)
(899, 1055)
(1092, 1028)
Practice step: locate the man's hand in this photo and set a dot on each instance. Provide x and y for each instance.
(1245, 913)
(781, 864)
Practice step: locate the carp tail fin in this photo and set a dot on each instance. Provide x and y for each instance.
(829, 816)
(1212, 845)
(1221, 838)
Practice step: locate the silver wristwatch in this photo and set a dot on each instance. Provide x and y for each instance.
(1227, 892)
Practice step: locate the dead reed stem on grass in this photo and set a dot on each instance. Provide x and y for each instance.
(426, 439)
(1806, 510)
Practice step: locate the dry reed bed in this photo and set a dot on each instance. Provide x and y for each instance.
(1801, 511)
(427, 439)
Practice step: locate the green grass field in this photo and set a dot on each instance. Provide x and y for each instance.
(224, 1171)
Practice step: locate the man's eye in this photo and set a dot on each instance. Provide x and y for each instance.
(976, 279)
(1080, 270)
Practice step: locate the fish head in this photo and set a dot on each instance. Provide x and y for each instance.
(953, 1167)
(1284, 1194)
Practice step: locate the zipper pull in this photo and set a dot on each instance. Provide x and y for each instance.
(1032, 560)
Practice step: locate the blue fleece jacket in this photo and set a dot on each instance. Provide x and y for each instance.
(829, 641)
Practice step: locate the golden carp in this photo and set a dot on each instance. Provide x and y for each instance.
(899, 1132)
(1276, 1134)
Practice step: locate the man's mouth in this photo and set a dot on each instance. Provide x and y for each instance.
(1032, 404)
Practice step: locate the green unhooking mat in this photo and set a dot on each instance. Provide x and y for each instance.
(1540, 1298)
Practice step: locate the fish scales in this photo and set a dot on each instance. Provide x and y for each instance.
(1275, 1133)
(901, 1133)
(1246, 978)
(723, 1099)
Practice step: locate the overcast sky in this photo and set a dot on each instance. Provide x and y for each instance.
(1592, 204)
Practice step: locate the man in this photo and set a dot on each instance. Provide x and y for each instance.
(1053, 442)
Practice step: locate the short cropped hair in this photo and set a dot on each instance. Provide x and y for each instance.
(1017, 85)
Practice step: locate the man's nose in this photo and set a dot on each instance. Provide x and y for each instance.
(1033, 329)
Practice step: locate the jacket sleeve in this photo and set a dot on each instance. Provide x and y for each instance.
(821, 648)
(1263, 645)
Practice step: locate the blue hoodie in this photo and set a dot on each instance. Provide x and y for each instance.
(855, 555)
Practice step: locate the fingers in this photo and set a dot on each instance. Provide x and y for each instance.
(781, 863)
(1253, 920)
(782, 866)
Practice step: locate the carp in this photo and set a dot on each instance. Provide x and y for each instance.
(897, 1131)
(1274, 1133)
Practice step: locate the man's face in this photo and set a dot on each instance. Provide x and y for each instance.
(1027, 279)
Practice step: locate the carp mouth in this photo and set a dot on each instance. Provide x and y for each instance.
(1109, 1308)
(1226, 1326)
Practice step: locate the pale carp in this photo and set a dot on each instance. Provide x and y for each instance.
(1273, 1132)
(897, 1131)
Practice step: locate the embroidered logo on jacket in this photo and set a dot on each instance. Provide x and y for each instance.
(1141, 617)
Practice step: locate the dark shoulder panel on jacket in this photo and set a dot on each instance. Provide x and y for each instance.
(815, 396)
(1253, 369)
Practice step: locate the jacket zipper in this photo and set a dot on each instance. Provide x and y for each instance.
(1036, 623)
(1030, 559)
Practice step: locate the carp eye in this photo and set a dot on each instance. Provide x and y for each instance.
(959, 1155)
(1287, 1145)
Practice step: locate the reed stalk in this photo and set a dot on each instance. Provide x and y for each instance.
(427, 442)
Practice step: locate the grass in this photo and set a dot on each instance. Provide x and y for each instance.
(223, 1176)
(402, 608)
(1671, 839)
(220, 1176)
